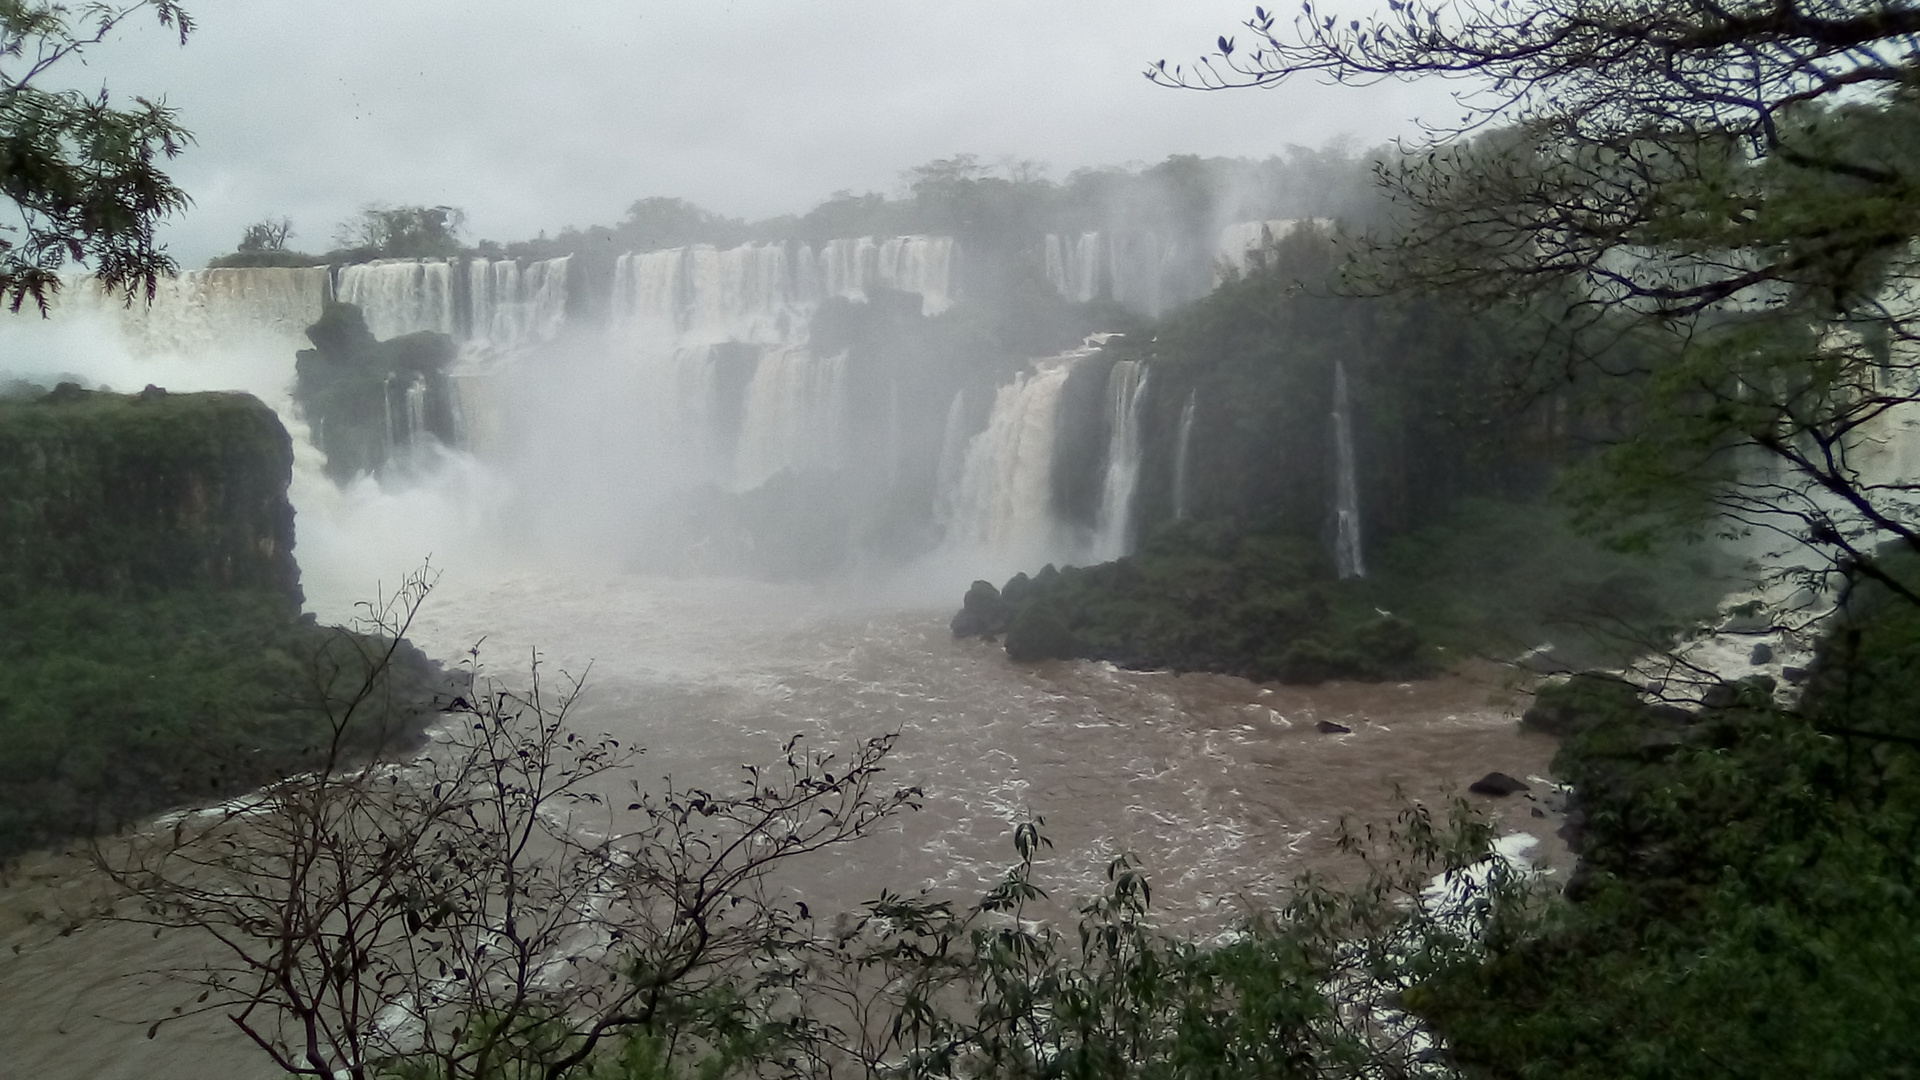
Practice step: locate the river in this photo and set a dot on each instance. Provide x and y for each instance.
(1223, 788)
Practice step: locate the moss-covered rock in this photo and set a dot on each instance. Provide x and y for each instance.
(136, 494)
(152, 650)
(1204, 596)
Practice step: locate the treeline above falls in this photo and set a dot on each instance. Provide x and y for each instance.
(791, 409)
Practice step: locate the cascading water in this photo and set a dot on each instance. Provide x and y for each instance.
(1126, 396)
(794, 417)
(416, 411)
(509, 305)
(767, 293)
(1073, 265)
(953, 459)
(400, 296)
(1183, 440)
(1003, 505)
(1347, 556)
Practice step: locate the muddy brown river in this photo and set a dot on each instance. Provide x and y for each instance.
(1223, 788)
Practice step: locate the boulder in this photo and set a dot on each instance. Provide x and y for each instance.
(982, 613)
(1762, 654)
(1328, 727)
(1498, 784)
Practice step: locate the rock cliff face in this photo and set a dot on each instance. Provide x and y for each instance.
(131, 495)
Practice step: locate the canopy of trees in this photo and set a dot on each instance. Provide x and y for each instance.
(80, 175)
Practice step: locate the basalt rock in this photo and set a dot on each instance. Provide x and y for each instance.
(1498, 784)
(983, 613)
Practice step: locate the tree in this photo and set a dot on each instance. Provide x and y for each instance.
(483, 911)
(403, 231)
(83, 176)
(267, 234)
(1727, 186)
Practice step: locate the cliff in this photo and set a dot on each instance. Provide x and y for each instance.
(152, 649)
(133, 495)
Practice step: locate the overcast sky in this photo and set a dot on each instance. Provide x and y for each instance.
(536, 117)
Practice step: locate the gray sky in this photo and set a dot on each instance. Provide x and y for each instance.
(534, 118)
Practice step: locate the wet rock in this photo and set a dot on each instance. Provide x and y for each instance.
(1794, 675)
(1328, 727)
(1497, 784)
(983, 613)
(1762, 654)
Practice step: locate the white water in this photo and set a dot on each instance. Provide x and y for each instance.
(1002, 508)
(767, 293)
(1348, 558)
(399, 296)
(794, 417)
(509, 305)
(1126, 397)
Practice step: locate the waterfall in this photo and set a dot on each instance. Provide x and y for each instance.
(1346, 488)
(416, 411)
(767, 293)
(400, 296)
(1183, 440)
(1073, 265)
(509, 305)
(794, 417)
(1126, 396)
(1004, 500)
(953, 459)
(257, 309)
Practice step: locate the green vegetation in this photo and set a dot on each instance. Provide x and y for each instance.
(150, 621)
(1746, 899)
(1202, 596)
(114, 706)
(82, 178)
(125, 494)
(1495, 578)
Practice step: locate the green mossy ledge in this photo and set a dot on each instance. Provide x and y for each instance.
(131, 495)
(152, 648)
(1201, 596)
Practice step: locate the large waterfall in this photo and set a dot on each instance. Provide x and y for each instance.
(400, 296)
(1003, 504)
(767, 293)
(1126, 395)
(1136, 268)
(1347, 557)
(509, 305)
(794, 416)
(205, 310)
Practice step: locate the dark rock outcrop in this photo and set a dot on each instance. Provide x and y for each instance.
(370, 400)
(983, 613)
(1498, 784)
